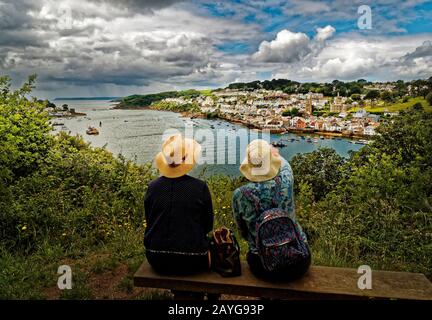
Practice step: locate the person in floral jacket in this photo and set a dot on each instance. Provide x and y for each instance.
(272, 182)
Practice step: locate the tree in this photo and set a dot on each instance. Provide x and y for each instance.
(354, 88)
(355, 97)
(429, 98)
(417, 106)
(24, 130)
(293, 112)
(321, 169)
(380, 210)
(372, 94)
(387, 96)
(406, 137)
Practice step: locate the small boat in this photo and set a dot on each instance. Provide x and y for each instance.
(315, 140)
(321, 137)
(278, 144)
(92, 131)
(309, 140)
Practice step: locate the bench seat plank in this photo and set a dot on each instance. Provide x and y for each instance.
(319, 283)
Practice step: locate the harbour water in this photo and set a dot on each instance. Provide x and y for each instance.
(137, 134)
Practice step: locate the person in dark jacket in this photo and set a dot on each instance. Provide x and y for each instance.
(178, 211)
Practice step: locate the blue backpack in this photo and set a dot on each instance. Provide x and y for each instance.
(280, 242)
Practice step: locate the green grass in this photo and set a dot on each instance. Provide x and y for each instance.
(395, 107)
(206, 92)
(104, 265)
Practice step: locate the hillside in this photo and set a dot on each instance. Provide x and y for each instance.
(143, 101)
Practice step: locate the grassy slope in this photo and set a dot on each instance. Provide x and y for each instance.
(394, 107)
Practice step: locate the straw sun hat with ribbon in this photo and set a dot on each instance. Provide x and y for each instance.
(261, 162)
(178, 156)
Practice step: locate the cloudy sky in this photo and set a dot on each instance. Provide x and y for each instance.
(116, 48)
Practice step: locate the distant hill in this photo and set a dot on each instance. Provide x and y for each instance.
(88, 98)
(141, 101)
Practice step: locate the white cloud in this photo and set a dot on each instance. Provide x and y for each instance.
(349, 68)
(324, 33)
(351, 57)
(287, 47)
(291, 46)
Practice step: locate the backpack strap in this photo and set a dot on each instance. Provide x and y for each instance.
(276, 192)
(256, 201)
(252, 198)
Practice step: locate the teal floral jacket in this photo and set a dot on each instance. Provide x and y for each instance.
(246, 212)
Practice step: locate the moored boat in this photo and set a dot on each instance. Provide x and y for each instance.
(278, 144)
(92, 131)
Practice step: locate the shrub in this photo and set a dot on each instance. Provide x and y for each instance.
(320, 169)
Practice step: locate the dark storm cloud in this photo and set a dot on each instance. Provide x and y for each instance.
(113, 43)
(425, 50)
(14, 14)
(14, 39)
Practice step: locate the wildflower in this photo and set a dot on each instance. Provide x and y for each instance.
(63, 234)
(24, 228)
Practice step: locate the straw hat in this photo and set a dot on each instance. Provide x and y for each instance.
(260, 163)
(178, 156)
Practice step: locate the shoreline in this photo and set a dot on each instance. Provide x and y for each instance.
(281, 131)
(117, 107)
(70, 115)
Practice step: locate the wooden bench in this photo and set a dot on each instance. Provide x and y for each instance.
(318, 283)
